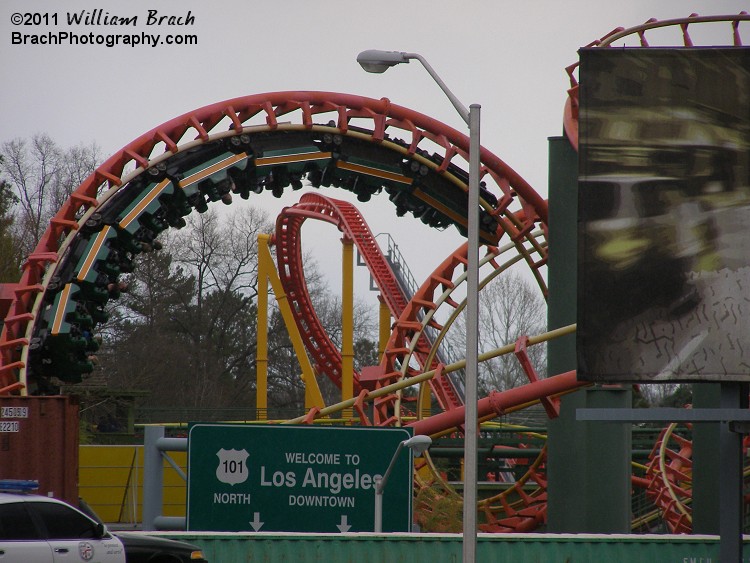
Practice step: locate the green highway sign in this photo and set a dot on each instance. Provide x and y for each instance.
(279, 478)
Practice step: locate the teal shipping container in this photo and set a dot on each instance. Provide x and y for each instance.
(447, 548)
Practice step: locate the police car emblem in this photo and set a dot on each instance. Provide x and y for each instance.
(86, 551)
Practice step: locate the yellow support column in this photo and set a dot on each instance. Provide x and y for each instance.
(384, 332)
(261, 354)
(347, 323)
(313, 396)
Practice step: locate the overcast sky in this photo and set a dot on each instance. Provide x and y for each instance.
(507, 55)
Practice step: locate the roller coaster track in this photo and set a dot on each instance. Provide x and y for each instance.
(669, 479)
(114, 215)
(518, 508)
(522, 510)
(570, 114)
(289, 255)
(414, 317)
(436, 293)
(669, 473)
(446, 352)
(240, 146)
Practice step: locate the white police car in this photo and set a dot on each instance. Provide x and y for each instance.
(38, 529)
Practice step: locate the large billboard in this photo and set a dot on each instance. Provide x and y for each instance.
(663, 215)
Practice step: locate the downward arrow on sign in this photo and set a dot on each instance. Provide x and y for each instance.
(344, 525)
(255, 522)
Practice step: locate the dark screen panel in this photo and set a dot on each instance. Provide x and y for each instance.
(663, 215)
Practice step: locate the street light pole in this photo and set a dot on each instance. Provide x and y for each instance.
(380, 61)
(471, 424)
(418, 445)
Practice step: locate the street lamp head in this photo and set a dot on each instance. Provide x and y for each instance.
(418, 444)
(375, 60)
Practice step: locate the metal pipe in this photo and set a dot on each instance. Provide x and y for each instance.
(387, 474)
(417, 444)
(172, 444)
(153, 478)
(460, 108)
(497, 402)
(502, 453)
(384, 329)
(733, 396)
(261, 355)
(170, 523)
(378, 528)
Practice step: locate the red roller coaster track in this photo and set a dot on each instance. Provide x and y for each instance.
(289, 255)
(251, 115)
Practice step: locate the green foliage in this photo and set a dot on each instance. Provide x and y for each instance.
(438, 511)
(365, 353)
(10, 255)
(681, 396)
(183, 353)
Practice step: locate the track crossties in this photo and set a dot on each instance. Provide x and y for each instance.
(240, 148)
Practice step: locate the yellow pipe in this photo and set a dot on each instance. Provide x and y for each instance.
(393, 387)
(347, 322)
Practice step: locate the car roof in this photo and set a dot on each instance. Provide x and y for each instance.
(6, 497)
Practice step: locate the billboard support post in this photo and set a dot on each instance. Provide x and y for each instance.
(731, 497)
(734, 417)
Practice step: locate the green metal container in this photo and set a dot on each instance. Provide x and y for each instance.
(447, 548)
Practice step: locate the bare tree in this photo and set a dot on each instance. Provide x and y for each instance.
(187, 329)
(31, 168)
(510, 307)
(42, 176)
(218, 319)
(76, 165)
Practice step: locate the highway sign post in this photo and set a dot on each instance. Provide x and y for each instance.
(295, 478)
